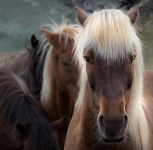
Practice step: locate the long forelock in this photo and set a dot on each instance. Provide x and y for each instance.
(109, 33)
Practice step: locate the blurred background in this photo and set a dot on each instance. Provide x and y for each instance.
(19, 19)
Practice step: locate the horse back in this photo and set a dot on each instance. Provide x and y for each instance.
(18, 64)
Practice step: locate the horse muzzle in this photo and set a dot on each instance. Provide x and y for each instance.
(112, 130)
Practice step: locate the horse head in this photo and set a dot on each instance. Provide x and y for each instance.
(111, 52)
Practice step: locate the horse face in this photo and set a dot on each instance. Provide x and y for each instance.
(66, 70)
(110, 84)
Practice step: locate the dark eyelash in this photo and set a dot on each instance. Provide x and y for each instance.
(88, 59)
(65, 64)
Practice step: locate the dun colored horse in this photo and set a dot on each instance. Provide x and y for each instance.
(22, 122)
(60, 75)
(111, 111)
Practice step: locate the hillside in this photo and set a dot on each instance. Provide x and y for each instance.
(19, 19)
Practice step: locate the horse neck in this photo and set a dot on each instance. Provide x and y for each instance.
(29, 73)
(58, 104)
(29, 76)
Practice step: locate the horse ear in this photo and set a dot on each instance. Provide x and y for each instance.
(81, 15)
(133, 14)
(34, 41)
(53, 38)
(22, 128)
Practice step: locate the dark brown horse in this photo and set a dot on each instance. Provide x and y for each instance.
(22, 121)
(24, 60)
(28, 66)
(14, 63)
(33, 72)
(111, 111)
(60, 75)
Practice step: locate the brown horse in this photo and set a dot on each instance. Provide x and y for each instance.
(111, 111)
(14, 63)
(60, 75)
(33, 72)
(27, 66)
(25, 60)
(22, 121)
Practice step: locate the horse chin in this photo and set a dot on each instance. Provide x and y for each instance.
(112, 140)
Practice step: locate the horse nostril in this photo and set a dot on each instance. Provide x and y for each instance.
(101, 121)
(126, 119)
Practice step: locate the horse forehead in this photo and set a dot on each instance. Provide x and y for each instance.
(112, 66)
(65, 49)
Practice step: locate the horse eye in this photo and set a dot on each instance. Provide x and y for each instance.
(88, 59)
(65, 64)
(129, 84)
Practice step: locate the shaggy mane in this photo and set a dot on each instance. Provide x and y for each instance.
(17, 105)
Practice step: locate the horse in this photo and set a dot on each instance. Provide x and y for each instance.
(112, 111)
(30, 70)
(25, 59)
(60, 75)
(33, 72)
(14, 63)
(37, 57)
(22, 121)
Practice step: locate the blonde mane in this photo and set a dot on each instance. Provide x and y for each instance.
(68, 31)
(110, 34)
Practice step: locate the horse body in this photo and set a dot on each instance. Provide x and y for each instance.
(14, 64)
(112, 110)
(22, 122)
